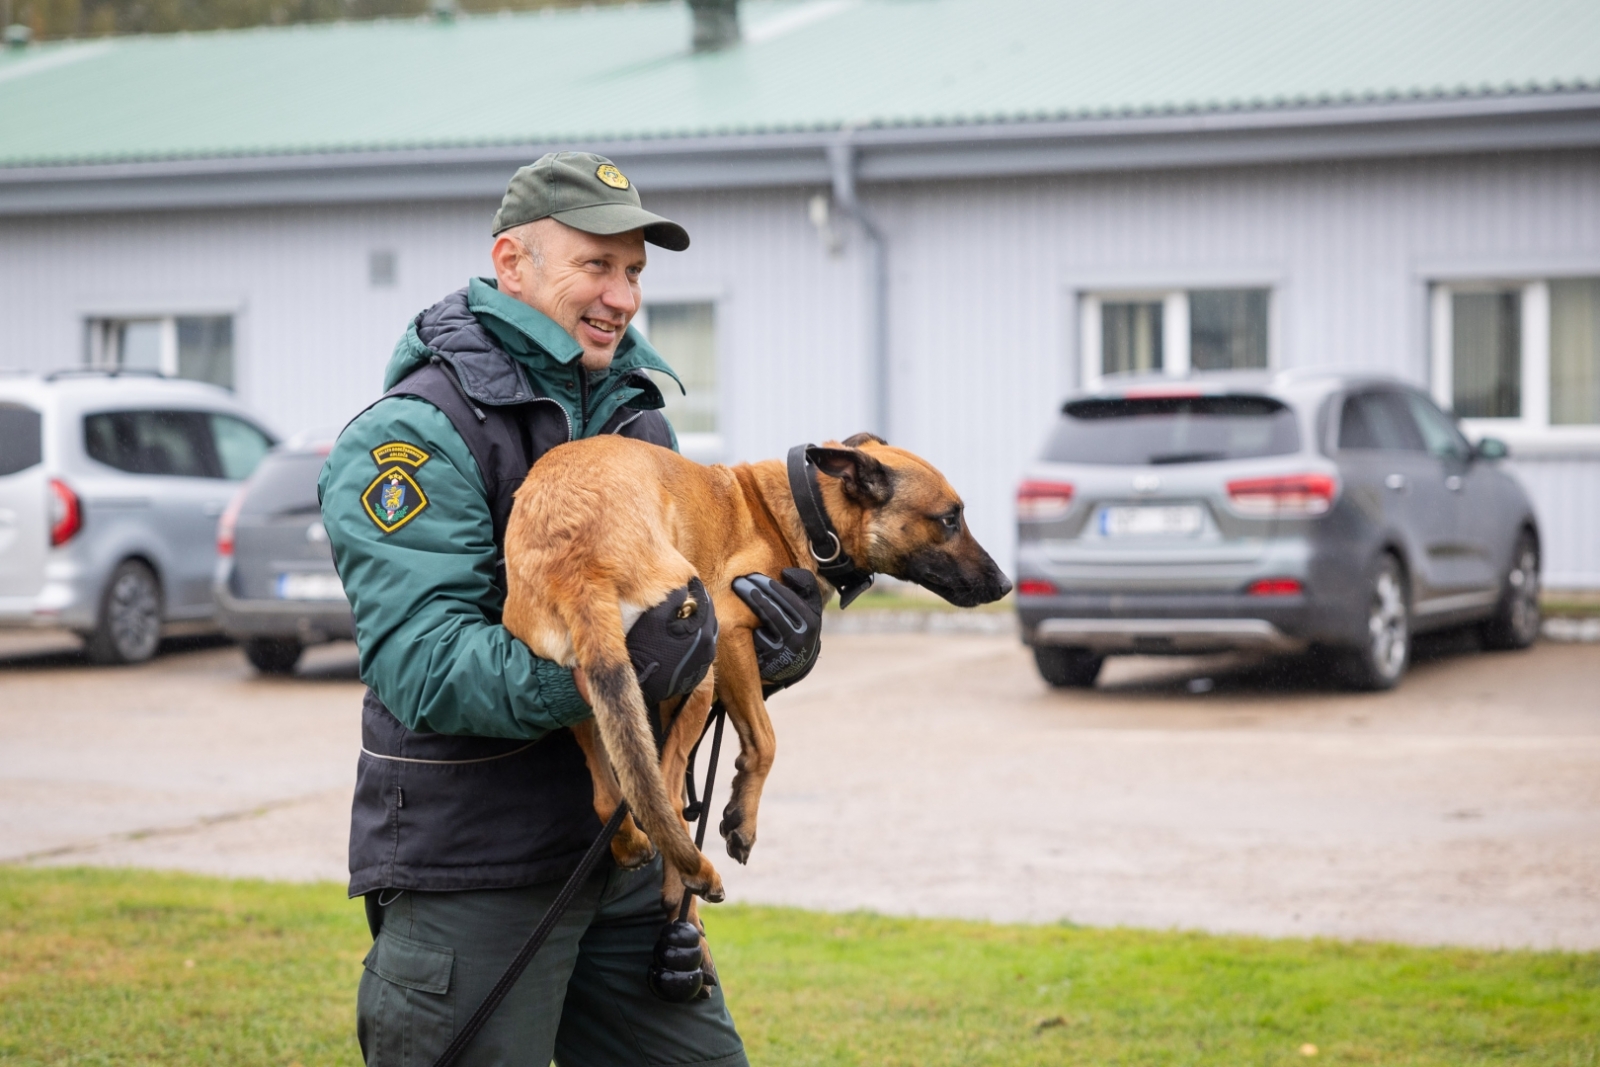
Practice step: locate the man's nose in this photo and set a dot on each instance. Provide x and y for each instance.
(618, 295)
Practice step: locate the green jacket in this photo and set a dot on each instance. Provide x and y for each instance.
(420, 576)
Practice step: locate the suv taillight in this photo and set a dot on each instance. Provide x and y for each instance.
(1293, 495)
(1043, 501)
(225, 525)
(66, 516)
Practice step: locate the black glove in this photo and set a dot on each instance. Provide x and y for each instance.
(790, 635)
(671, 652)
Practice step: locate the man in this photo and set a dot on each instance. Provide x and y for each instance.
(472, 801)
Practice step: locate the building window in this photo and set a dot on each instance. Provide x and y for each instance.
(1130, 337)
(1173, 333)
(1486, 354)
(685, 334)
(1575, 352)
(1518, 354)
(198, 347)
(1228, 329)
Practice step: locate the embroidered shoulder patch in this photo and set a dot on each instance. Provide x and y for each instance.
(394, 498)
(399, 452)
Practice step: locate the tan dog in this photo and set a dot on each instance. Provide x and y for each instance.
(606, 527)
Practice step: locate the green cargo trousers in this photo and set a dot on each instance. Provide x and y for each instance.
(583, 1000)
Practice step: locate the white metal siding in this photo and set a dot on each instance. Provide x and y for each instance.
(982, 294)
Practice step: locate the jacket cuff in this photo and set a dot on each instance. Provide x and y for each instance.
(559, 695)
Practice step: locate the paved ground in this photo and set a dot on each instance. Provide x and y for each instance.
(934, 774)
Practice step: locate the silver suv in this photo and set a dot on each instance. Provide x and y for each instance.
(1280, 512)
(111, 486)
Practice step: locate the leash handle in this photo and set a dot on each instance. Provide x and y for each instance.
(535, 941)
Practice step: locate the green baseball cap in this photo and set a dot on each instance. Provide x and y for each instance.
(586, 192)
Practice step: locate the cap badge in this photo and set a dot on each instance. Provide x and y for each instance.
(612, 176)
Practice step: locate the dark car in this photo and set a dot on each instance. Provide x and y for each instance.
(275, 586)
(1282, 512)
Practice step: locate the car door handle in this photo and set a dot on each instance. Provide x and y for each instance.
(1453, 483)
(1396, 482)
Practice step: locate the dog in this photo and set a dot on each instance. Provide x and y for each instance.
(606, 527)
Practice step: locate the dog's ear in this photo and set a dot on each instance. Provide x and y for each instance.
(856, 440)
(864, 479)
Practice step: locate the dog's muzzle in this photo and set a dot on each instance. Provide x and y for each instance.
(674, 643)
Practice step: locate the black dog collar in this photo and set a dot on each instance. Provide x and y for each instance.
(833, 562)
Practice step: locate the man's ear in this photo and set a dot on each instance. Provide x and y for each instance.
(864, 479)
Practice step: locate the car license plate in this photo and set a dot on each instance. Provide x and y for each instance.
(1182, 520)
(310, 586)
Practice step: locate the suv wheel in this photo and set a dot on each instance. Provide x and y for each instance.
(1067, 668)
(1381, 661)
(1515, 622)
(273, 655)
(129, 630)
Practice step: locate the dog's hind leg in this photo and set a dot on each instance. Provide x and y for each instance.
(595, 620)
(682, 735)
(630, 847)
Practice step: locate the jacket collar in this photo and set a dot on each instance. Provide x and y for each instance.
(534, 339)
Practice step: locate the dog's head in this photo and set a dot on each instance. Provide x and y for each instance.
(898, 516)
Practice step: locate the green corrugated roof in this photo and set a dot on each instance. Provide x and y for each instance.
(614, 73)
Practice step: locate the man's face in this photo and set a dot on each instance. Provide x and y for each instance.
(586, 283)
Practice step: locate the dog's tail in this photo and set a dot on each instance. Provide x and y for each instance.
(595, 622)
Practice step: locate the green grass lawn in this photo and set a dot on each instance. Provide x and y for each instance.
(119, 967)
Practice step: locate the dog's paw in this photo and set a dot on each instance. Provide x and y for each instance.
(739, 837)
(630, 848)
(705, 882)
(739, 845)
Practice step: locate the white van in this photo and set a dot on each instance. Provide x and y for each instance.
(111, 484)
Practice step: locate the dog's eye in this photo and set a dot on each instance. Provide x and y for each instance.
(952, 521)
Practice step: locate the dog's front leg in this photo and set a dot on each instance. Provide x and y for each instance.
(739, 688)
(630, 848)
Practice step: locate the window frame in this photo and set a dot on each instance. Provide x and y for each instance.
(93, 315)
(1175, 325)
(701, 447)
(1533, 426)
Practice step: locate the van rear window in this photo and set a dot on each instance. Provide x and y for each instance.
(21, 438)
(1138, 431)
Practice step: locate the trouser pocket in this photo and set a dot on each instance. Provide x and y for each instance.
(405, 1011)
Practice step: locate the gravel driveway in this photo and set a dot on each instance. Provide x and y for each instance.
(933, 774)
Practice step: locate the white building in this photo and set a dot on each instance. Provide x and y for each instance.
(933, 218)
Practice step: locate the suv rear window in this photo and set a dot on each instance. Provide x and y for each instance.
(21, 438)
(1135, 431)
(152, 442)
(283, 484)
(185, 444)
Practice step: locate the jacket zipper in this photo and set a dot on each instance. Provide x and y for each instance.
(583, 401)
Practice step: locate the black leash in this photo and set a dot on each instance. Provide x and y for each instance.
(697, 808)
(541, 933)
(833, 562)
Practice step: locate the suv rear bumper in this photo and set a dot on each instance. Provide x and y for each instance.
(1152, 623)
(1165, 635)
(310, 621)
(68, 602)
